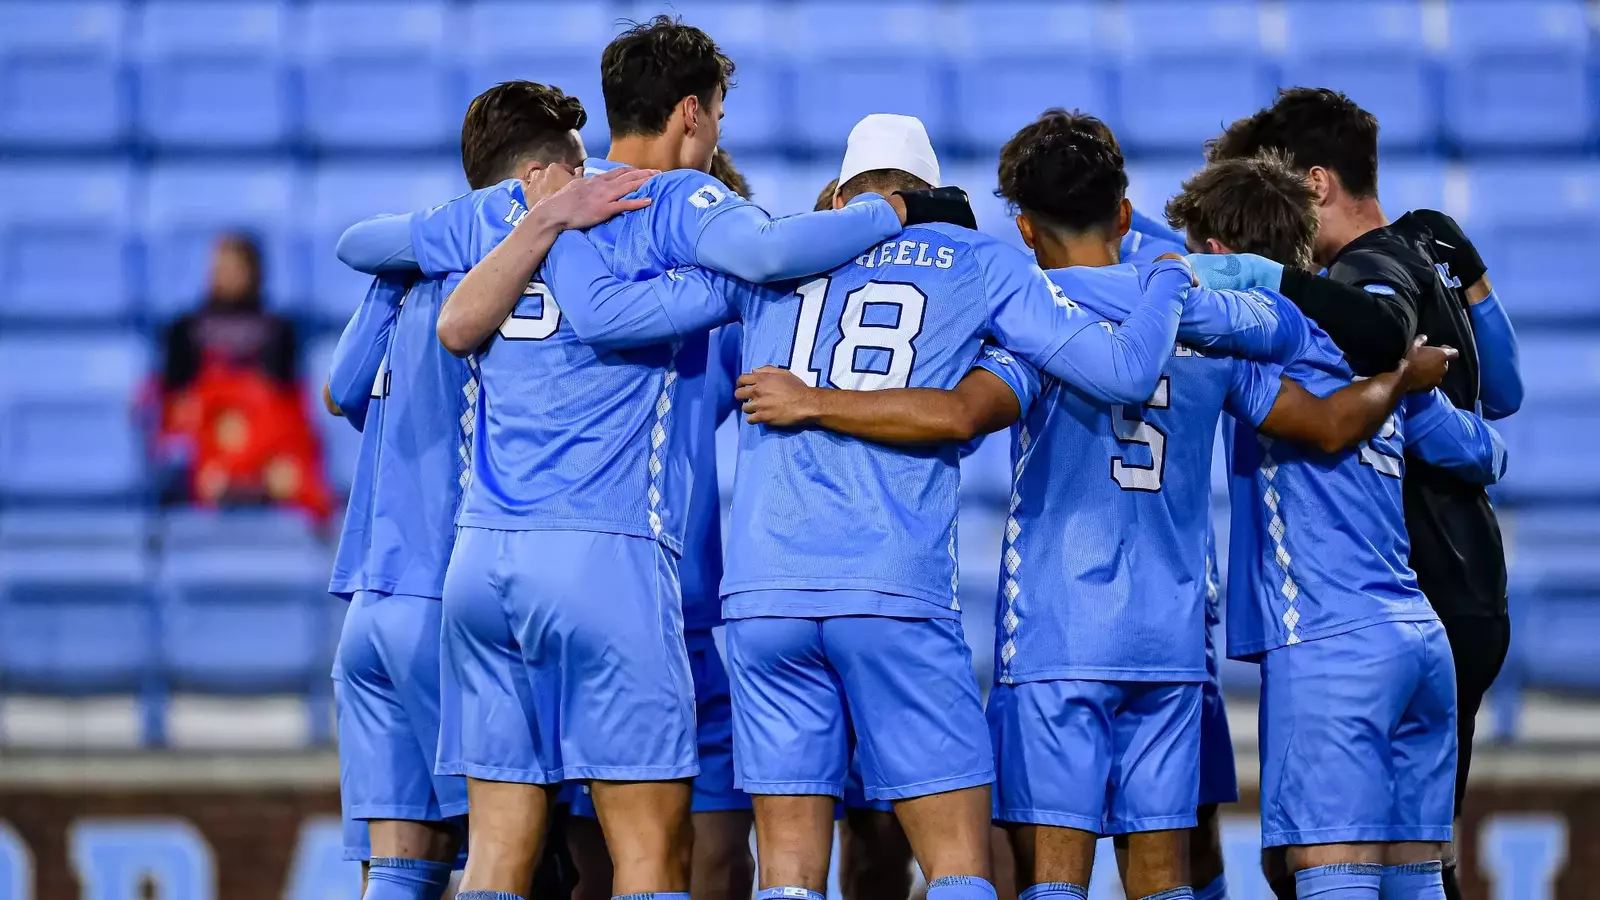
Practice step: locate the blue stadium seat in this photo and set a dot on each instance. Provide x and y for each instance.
(378, 75)
(1152, 184)
(343, 194)
(189, 205)
(242, 530)
(855, 59)
(65, 243)
(1537, 225)
(751, 33)
(62, 70)
(245, 620)
(341, 443)
(1411, 184)
(1373, 50)
(1552, 645)
(1188, 68)
(979, 180)
(1516, 74)
(986, 472)
(495, 46)
(67, 416)
(1549, 442)
(1013, 60)
(79, 620)
(214, 75)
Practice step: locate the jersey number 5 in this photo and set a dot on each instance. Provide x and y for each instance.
(896, 311)
(1374, 455)
(533, 328)
(1138, 431)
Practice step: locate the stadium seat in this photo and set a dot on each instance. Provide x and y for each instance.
(245, 620)
(214, 75)
(189, 205)
(1551, 645)
(67, 417)
(240, 530)
(979, 180)
(498, 44)
(986, 472)
(341, 443)
(343, 194)
(1188, 68)
(1013, 60)
(1373, 50)
(1548, 443)
(66, 250)
(1516, 74)
(1152, 184)
(1412, 184)
(883, 61)
(78, 617)
(1537, 225)
(751, 33)
(62, 82)
(378, 75)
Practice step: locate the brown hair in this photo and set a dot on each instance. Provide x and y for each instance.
(515, 122)
(1259, 205)
(825, 199)
(648, 70)
(1064, 169)
(881, 181)
(1313, 127)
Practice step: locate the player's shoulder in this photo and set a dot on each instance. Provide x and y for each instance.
(692, 186)
(1382, 261)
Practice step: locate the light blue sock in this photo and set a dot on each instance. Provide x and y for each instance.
(1216, 890)
(961, 887)
(487, 895)
(789, 893)
(1417, 881)
(1055, 890)
(1180, 893)
(1343, 881)
(394, 878)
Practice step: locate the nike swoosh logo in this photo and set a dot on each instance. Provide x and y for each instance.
(1443, 244)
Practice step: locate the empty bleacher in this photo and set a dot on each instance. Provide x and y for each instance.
(132, 132)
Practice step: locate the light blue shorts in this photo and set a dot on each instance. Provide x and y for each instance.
(564, 660)
(386, 692)
(713, 787)
(1219, 781)
(1358, 737)
(906, 685)
(1108, 757)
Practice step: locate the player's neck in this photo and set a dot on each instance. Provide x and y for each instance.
(644, 152)
(1063, 251)
(1336, 233)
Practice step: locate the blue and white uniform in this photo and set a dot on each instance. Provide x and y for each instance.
(1101, 648)
(412, 401)
(563, 640)
(1358, 736)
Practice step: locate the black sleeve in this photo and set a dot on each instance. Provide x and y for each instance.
(1370, 314)
(181, 361)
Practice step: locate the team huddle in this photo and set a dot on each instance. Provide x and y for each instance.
(535, 558)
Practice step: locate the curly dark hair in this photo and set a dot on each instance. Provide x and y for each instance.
(515, 122)
(1066, 169)
(648, 69)
(1314, 127)
(1256, 205)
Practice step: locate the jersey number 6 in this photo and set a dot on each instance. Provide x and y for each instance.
(533, 328)
(899, 309)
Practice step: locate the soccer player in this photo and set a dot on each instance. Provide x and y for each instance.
(1358, 740)
(722, 868)
(413, 403)
(579, 460)
(1422, 271)
(1136, 694)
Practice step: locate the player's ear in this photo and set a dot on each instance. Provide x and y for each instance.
(1124, 217)
(1026, 227)
(690, 108)
(1323, 184)
(838, 199)
(1215, 246)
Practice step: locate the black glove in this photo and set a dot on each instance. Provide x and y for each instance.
(940, 204)
(1451, 245)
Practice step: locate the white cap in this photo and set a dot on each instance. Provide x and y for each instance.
(887, 141)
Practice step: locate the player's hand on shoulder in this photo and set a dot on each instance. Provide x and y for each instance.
(1179, 257)
(776, 397)
(1424, 367)
(572, 201)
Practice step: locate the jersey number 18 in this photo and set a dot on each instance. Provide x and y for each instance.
(903, 304)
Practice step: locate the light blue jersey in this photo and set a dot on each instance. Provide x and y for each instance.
(700, 571)
(1147, 239)
(400, 523)
(1104, 565)
(1319, 543)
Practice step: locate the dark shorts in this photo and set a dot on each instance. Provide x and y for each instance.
(1479, 645)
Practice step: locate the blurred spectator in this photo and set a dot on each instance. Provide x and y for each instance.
(234, 425)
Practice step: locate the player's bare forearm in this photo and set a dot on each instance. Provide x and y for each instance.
(981, 403)
(490, 291)
(1352, 414)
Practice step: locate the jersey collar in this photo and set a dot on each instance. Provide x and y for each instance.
(594, 165)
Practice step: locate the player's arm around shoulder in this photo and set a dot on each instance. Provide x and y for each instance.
(1352, 414)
